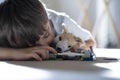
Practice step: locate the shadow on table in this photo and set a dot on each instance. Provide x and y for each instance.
(71, 69)
(65, 64)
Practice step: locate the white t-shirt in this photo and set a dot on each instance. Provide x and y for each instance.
(58, 18)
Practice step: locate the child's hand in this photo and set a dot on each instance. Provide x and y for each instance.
(37, 53)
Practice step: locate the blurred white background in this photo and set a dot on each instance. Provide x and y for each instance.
(100, 17)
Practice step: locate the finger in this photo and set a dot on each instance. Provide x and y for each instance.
(36, 57)
(47, 55)
(50, 49)
(42, 53)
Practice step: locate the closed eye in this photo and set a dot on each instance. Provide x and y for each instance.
(46, 34)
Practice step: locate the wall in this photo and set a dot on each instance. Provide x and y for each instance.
(105, 36)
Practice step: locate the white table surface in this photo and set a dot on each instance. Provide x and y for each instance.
(64, 70)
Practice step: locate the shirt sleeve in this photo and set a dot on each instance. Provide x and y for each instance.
(58, 18)
(76, 29)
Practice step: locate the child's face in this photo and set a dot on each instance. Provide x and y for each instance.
(47, 37)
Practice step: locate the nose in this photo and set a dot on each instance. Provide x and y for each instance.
(59, 49)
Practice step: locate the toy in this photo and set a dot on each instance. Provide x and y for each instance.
(84, 55)
(64, 42)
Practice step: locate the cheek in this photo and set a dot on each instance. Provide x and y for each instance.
(41, 42)
(48, 40)
(45, 41)
(72, 42)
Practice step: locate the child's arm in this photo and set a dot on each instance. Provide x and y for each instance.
(86, 45)
(90, 42)
(37, 53)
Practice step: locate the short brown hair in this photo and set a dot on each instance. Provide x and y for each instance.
(21, 22)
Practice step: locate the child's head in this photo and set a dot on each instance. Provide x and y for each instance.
(21, 22)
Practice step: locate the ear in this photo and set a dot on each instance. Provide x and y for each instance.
(65, 28)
